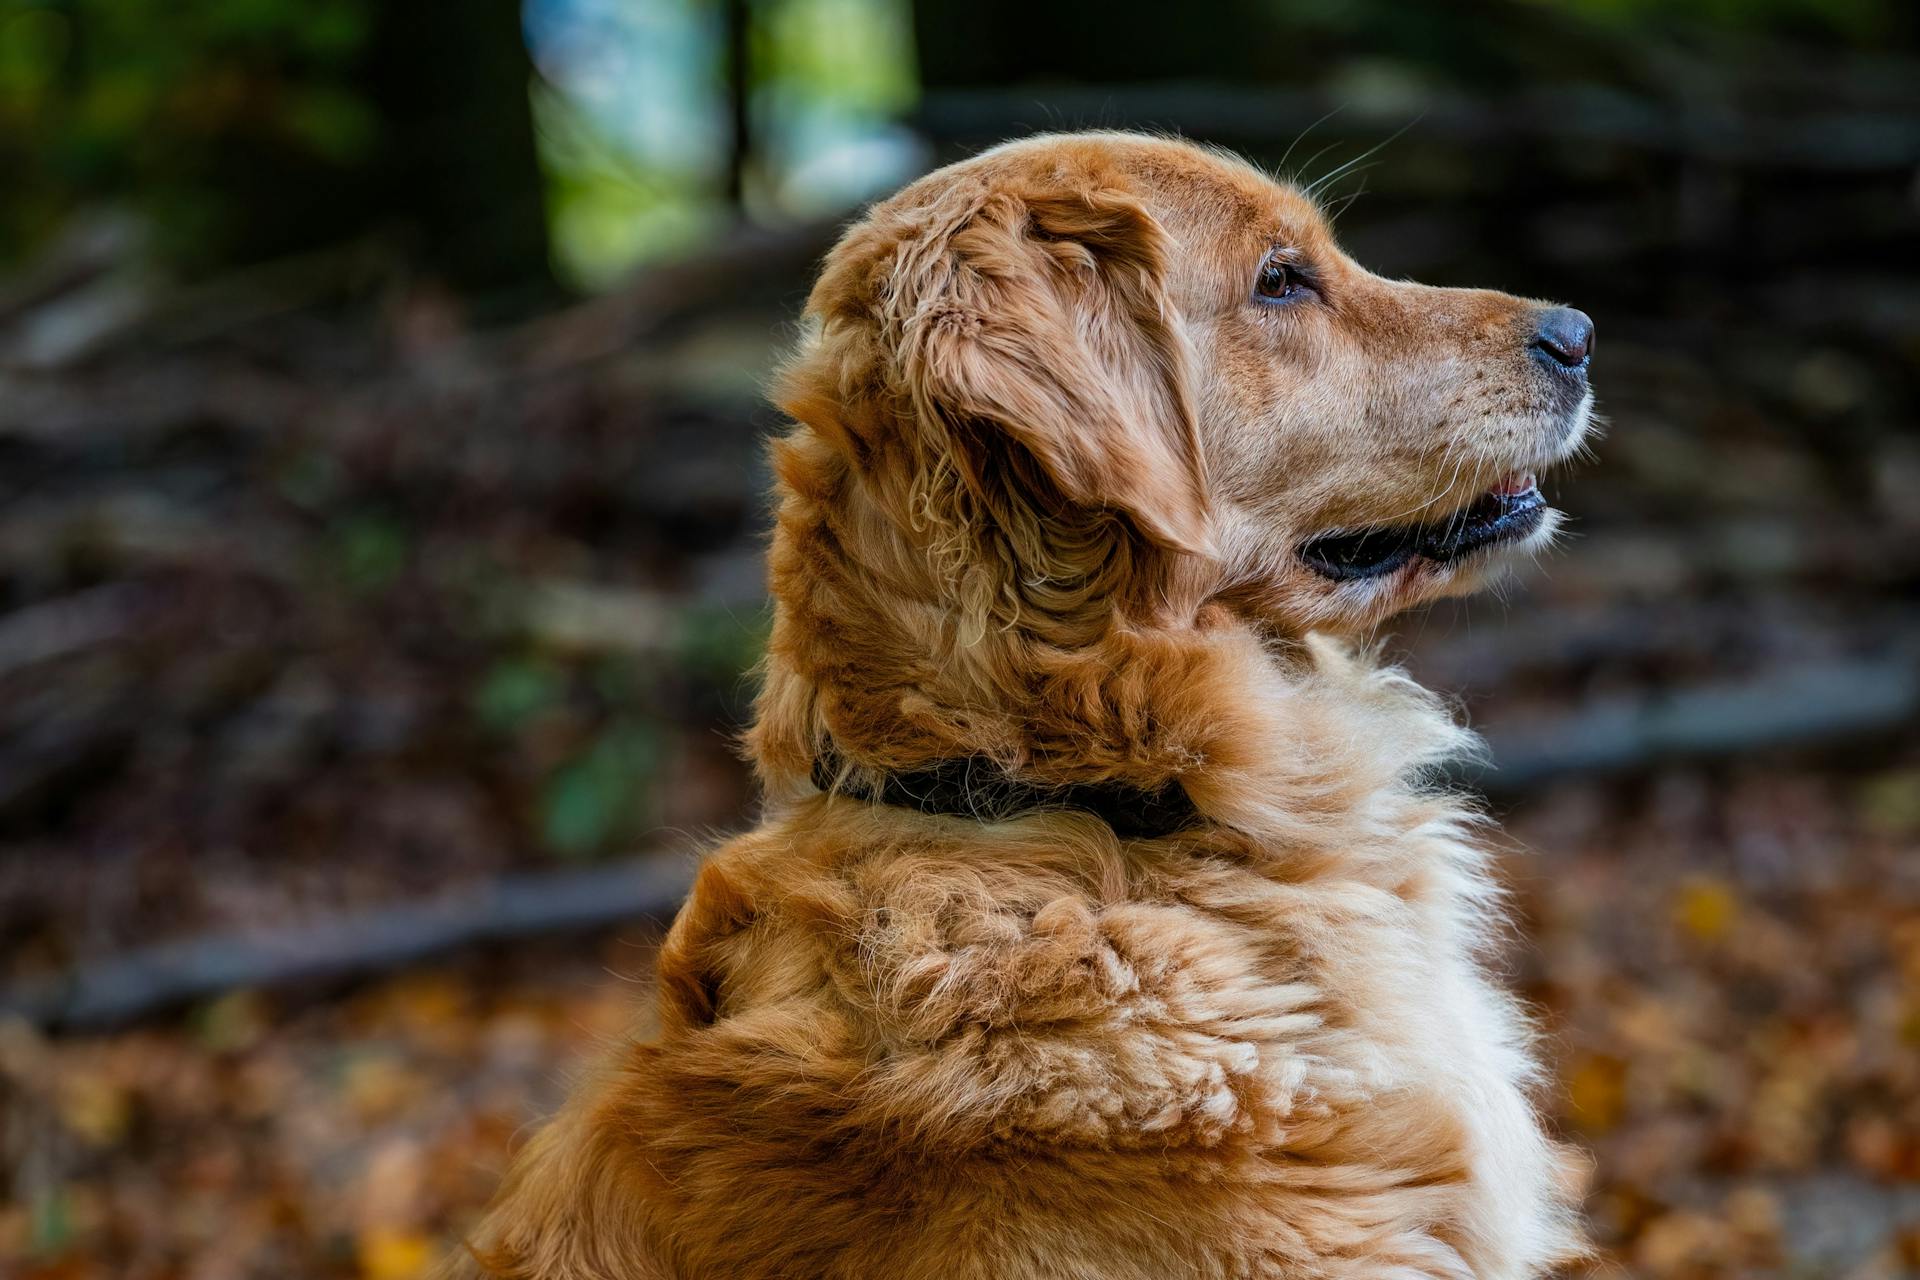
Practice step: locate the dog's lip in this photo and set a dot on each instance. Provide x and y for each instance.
(1509, 511)
(1506, 514)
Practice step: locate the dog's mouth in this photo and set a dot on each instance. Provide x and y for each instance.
(1504, 514)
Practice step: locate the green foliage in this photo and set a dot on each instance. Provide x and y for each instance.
(609, 207)
(50, 1225)
(722, 645)
(369, 551)
(852, 54)
(163, 104)
(590, 739)
(599, 796)
(637, 166)
(516, 691)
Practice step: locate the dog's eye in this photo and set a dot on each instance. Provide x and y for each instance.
(1279, 280)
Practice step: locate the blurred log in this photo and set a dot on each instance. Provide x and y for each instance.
(79, 322)
(56, 628)
(85, 249)
(1803, 706)
(1816, 704)
(156, 978)
(747, 267)
(586, 617)
(1772, 632)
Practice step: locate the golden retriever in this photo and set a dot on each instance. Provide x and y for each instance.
(1105, 920)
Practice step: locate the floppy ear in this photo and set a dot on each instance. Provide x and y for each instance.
(1024, 318)
(1043, 316)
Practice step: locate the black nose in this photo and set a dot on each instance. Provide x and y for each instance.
(1565, 336)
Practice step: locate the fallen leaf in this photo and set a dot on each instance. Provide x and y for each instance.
(394, 1255)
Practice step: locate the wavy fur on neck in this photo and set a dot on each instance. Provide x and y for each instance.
(879, 652)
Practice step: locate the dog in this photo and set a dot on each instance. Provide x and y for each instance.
(1106, 917)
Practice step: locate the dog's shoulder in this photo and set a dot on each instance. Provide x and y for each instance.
(958, 989)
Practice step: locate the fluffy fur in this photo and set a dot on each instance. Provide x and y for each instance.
(1051, 468)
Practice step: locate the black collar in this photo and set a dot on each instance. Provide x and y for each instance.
(974, 787)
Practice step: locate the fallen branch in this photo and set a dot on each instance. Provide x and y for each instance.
(517, 906)
(1801, 707)
(55, 628)
(1807, 706)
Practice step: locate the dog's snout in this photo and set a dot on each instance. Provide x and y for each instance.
(1564, 336)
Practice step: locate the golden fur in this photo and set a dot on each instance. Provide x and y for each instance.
(1042, 504)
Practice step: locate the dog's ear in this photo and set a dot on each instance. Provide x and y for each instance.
(1036, 318)
(1046, 320)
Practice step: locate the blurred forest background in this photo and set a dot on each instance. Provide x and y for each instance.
(380, 504)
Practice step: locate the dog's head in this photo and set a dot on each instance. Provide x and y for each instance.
(1102, 350)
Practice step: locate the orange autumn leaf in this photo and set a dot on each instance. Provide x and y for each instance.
(394, 1255)
(1597, 1092)
(96, 1108)
(1705, 908)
